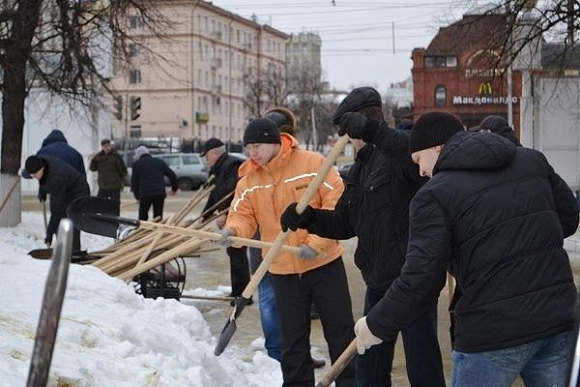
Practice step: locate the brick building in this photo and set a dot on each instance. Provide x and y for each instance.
(461, 72)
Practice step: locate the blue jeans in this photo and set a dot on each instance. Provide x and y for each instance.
(267, 306)
(543, 362)
(422, 353)
(269, 317)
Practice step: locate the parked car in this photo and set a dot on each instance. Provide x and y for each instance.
(190, 169)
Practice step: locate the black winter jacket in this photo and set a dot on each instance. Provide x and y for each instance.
(55, 144)
(64, 184)
(375, 207)
(495, 215)
(147, 178)
(225, 171)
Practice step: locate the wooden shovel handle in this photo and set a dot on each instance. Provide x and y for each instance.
(213, 236)
(304, 200)
(339, 365)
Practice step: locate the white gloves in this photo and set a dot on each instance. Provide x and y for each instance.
(225, 240)
(306, 252)
(364, 338)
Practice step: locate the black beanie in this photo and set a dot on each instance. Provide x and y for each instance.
(33, 164)
(433, 129)
(263, 131)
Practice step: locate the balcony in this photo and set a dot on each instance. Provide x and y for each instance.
(216, 63)
(216, 89)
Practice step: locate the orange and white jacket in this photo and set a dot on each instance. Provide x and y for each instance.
(264, 192)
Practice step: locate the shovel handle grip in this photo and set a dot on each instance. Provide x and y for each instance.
(339, 365)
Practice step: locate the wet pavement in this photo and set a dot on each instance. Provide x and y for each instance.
(211, 271)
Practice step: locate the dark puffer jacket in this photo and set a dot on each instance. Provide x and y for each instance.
(147, 178)
(375, 207)
(225, 171)
(495, 215)
(64, 184)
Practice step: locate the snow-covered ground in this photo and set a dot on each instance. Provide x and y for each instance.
(108, 335)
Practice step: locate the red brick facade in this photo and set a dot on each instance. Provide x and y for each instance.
(459, 73)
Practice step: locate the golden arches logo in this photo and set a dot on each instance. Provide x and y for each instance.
(485, 88)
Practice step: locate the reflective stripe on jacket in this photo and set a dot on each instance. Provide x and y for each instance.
(264, 192)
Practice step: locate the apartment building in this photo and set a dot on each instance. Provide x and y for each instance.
(303, 53)
(191, 82)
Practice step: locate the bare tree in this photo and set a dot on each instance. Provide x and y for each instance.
(65, 47)
(264, 88)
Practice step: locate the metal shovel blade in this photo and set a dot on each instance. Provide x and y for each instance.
(230, 327)
(96, 216)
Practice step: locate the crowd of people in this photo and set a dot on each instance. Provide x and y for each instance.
(425, 199)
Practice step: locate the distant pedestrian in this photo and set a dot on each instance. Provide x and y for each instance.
(64, 184)
(148, 183)
(498, 125)
(111, 170)
(224, 168)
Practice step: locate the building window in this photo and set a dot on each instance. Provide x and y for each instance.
(451, 61)
(134, 22)
(134, 76)
(440, 61)
(133, 49)
(440, 96)
(135, 131)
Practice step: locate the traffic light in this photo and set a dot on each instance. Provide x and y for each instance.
(118, 107)
(135, 106)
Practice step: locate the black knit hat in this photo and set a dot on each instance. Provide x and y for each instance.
(358, 98)
(433, 129)
(33, 164)
(105, 141)
(263, 131)
(210, 144)
(495, 124)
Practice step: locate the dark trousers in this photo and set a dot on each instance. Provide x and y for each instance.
(422, 353)
(239, 269)
(146, 203)
(111, 194)
(327, 287)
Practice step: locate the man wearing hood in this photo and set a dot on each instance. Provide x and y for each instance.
(148, 183)
(112, 172)
(55, 144)
(494, 215)
(277, 174)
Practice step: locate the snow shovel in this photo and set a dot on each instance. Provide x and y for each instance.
(54, 291)
(45, 222)
(339, 365)
(97, 216)
(230, 326)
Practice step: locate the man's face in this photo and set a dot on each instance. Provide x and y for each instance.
(212, 156)
(38, 174)
(107, 148)
(426, 160)
(262, 153)
(358, 144)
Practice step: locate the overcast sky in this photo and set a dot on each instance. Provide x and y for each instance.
(357, 35)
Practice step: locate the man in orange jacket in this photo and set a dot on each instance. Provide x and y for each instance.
(277, 174)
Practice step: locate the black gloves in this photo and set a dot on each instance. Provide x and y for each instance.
(291, 220)
(352, 124)
(41, 195)
(48, 240)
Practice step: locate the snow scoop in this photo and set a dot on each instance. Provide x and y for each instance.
(97, 216)
(77, 257)
(339, 365)
(230, 326)
(51, 307)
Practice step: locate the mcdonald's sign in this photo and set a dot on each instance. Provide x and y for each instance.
(485, 88)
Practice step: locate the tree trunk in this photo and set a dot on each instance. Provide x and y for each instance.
(15, 57)
(10, 215)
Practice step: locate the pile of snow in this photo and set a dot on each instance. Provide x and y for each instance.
(108, 335)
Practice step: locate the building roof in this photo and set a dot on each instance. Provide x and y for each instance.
(468, 32)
